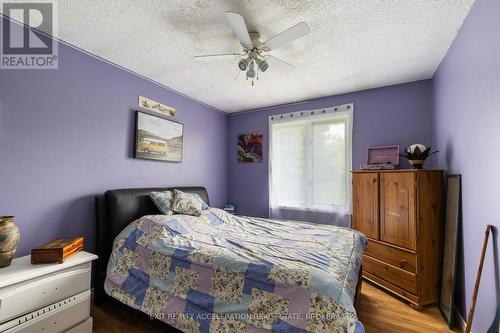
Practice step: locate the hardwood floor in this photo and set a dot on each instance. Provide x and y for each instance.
(112, 318)
(379, 312)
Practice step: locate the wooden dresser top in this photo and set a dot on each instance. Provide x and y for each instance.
(397, 170)
(21, 268)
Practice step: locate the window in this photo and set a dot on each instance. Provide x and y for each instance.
(310, 160)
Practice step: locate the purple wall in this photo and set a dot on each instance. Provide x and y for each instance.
(399, 114)
(466, 91)
(67, 134)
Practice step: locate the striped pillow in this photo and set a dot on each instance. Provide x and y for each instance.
(203, 203)
(163, 200)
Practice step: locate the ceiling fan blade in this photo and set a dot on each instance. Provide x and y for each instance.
(297, 31)
(237, 75)
(279, 64)
(240, 29)
(218, 56)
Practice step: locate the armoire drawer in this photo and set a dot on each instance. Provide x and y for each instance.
(392, 255)
(33, 294)
(392, 274)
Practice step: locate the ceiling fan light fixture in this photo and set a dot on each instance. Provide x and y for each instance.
(254, 51)
(251, 71)
(243, 64)
(262, 65)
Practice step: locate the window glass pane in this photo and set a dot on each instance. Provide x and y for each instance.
(291, 173)
(329, 169)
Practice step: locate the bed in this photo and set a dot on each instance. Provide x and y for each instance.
(225, 273)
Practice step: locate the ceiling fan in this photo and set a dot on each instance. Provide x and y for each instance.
(255, 55)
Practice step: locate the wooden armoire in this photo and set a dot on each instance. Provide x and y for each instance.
(401, 213)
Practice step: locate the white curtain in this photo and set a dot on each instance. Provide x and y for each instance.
(310, 162)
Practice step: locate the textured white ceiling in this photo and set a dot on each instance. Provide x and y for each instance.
(353, 45)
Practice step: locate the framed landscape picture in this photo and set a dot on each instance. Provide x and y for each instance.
(157, 138)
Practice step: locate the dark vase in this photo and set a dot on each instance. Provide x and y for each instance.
(417, 164)
(9, 237)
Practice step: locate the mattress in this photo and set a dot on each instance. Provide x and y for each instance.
(224, 273)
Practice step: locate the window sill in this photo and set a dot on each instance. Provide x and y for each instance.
(315, 209)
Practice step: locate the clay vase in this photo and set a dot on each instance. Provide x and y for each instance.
(9, 237)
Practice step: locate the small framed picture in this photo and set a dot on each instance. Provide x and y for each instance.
(158, 138)
(250, 147)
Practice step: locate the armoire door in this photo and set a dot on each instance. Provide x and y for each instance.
(365, 203)
(397, 209)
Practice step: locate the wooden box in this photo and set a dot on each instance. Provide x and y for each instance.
(384, 155)
(56, 250)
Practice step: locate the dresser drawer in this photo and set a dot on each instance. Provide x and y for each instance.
(42, 291)
(392, 274)
(85, 327)
(55, 318)
(391, 255)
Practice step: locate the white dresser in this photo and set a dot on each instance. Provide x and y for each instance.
(47, 298)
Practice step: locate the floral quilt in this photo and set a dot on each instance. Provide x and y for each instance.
(223, 273)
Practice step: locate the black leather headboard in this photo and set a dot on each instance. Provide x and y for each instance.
(114, 211)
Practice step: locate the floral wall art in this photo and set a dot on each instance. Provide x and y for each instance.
(250, 147)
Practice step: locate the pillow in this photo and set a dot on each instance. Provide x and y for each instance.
(163, 200)
(203, 203)
(187, 203)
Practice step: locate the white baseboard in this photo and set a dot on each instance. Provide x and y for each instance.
(459, 319)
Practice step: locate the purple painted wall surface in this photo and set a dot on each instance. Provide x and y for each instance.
(467, 130)
(399, 114)
(67, 134)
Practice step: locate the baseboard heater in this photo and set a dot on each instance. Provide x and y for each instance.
(55, 318)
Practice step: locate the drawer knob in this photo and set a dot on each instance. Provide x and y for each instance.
(402, 262)
(374, 180)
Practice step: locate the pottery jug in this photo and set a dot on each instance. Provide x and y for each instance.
(9, 237)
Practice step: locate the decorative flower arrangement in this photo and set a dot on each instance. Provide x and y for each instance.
(417, 154)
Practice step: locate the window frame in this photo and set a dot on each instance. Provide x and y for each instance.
(329, 115)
